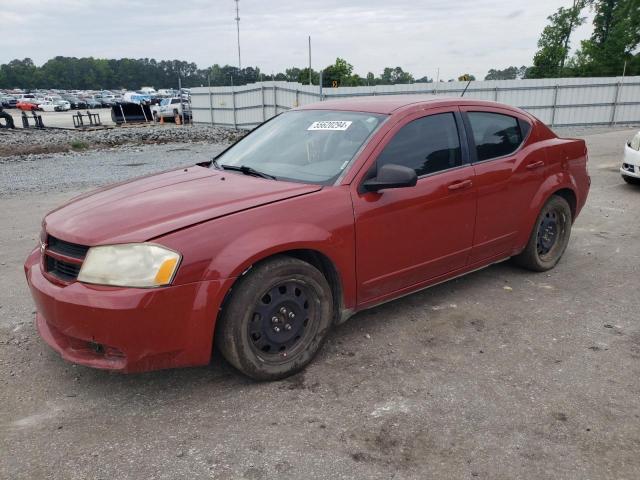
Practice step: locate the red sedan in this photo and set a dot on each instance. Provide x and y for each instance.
(319, 213)
(27, 106)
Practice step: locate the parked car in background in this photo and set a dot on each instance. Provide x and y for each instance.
(92, 102)
(75, 102)
(57, 102)
(170, 108)
(8, 101)
(26, 97)
(107, 100)
(630, 169)
(136, 97)
(319, 213)
(27, 106)
(54, 106)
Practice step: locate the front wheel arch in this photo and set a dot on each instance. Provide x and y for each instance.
(315, 258)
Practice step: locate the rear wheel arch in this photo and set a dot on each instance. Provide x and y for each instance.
(570, 196)
(564, 190)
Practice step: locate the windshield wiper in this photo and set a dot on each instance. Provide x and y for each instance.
(215, 163)
(246, 170)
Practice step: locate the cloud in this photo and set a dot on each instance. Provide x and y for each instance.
(514, 14)
(464, 36)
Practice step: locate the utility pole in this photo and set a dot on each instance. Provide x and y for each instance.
(309, 59)
(238, 31)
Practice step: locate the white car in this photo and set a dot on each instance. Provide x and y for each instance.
(630, 169)
(170, 107)
(54, 106)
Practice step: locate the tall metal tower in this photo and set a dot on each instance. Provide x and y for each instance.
(238, 31)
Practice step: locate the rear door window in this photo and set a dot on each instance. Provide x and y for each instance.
(495, 135)
(428, 145)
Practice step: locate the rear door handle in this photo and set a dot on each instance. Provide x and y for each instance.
(460, 185)
(534, 165)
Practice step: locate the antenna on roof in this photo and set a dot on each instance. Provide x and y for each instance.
(465, 77)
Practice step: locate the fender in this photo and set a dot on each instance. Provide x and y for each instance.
(553, 183)
(225, 248)
(235, 258)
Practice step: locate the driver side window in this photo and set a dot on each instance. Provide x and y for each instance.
(429, 144)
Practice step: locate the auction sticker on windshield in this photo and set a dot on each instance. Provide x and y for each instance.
(330, 125)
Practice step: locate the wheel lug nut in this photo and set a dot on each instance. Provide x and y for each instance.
(292, 315)
(283, 310)
(276, 329)
(274, 319)
(287, 327)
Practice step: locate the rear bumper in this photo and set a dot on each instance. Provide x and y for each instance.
(125, 329)
(631, 162)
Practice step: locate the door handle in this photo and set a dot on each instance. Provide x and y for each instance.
(534, 165)
(460, 185)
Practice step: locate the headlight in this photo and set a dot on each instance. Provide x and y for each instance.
(130, 265)
(635, 142)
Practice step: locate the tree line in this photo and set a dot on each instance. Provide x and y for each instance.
(128, 73)
(609, 51)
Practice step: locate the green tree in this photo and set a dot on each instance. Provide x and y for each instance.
(304, 76)
(466, 77)
(509, 73)
(337, 74)
(393, 76)
(616, 34)
(554, 43)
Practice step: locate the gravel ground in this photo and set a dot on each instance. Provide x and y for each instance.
(501, 374)
(45, 174)
(16, 144)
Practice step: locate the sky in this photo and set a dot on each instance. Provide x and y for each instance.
(421, 36)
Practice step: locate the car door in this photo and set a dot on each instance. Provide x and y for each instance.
(508, 173)
(408, 236)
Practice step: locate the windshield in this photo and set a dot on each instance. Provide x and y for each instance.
(310, 146)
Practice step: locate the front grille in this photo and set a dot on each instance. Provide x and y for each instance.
(66, 248)
(66, 271)
(63, 270)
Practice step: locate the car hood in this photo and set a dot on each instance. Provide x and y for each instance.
(142, 209)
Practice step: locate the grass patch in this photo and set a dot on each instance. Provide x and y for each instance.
(79, 145)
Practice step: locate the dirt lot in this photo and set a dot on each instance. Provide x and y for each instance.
(502, 374)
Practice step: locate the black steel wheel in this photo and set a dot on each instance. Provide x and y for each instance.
(280, 322)
(276, 319)
(549, 237)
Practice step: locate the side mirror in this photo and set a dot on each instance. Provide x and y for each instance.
(391, 176)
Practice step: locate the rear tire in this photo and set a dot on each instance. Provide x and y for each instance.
(276, 319)
(631, 180)
(549, 238)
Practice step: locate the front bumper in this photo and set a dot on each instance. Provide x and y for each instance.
(125, 329)
(631, 162)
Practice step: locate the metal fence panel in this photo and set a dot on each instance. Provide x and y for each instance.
(555, 101)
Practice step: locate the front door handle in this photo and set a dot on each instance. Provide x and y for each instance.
(460, 185)
(534, 165)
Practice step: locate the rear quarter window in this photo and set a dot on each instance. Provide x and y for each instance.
(495, 135)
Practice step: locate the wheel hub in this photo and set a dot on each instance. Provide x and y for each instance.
(547, 233)
(280, 319)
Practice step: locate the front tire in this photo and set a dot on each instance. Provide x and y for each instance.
(276, 319)
(549, 238)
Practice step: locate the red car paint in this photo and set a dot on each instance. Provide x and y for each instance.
(379, 245)
(27, 106)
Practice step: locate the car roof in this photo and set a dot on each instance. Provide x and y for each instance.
(387, 104)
